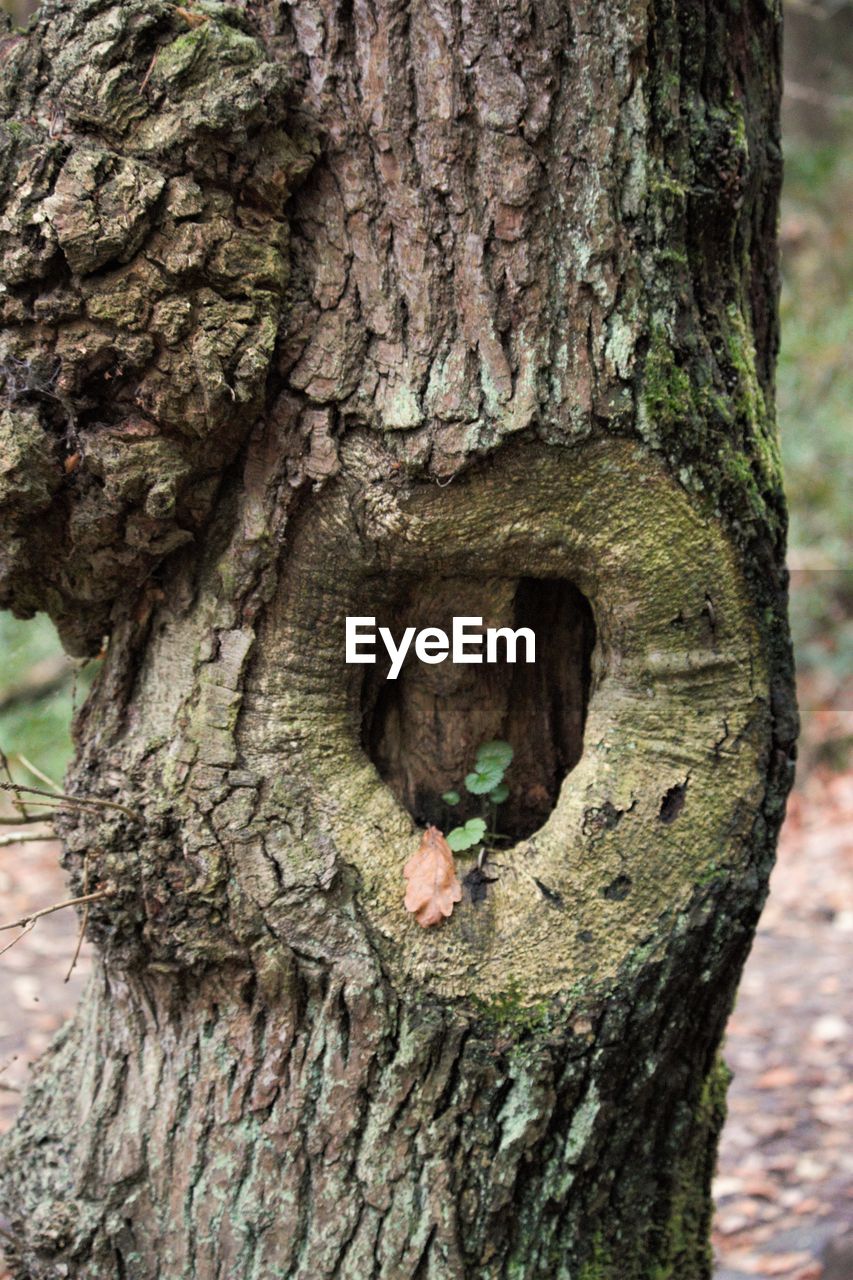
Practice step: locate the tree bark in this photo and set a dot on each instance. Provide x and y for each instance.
(406, 311)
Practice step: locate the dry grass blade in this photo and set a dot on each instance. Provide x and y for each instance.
(37, 773)
(84, 921)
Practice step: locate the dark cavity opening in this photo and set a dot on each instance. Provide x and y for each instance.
(423, 729)
(672, 803)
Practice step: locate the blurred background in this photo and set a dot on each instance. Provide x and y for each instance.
(784, 1188)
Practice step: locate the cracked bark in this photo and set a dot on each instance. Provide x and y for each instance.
(306, 306)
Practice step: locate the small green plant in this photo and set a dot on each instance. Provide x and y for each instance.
(464, 837)
(487, 781)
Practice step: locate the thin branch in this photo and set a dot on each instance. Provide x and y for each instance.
(31, 817)
(37, 773)
(54, 802)
(62, 799)
(84, 919)
(26, 929)
(17, 787)
(26, 922)
(147, 77)
(23, 837)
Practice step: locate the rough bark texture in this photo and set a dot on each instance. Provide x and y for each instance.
(319, 309)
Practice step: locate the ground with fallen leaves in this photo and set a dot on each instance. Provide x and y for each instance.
(784, 1188)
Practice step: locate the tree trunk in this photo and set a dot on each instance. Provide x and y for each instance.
(407, 311)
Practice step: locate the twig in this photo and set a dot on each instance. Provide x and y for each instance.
(54, 802)
(151, 66)
(62, 799)
(18, 787)
(84, 919)
(27, 922)
(23, 837)
(26, 929)
(31, 817)
(37, 773)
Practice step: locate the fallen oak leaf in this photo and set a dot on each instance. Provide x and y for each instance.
(433, 886)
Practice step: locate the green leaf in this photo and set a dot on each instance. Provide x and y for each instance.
(485, 778)
(460, 839)
(451, 797)
(464, 837)
(496, 753)
(498, 794)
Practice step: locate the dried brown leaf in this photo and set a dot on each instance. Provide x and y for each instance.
(433, 886)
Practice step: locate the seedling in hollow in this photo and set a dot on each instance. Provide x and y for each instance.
(485, 780)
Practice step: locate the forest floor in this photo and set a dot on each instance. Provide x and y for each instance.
(784, 1187)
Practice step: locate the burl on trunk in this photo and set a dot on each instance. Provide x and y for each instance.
(408, 310)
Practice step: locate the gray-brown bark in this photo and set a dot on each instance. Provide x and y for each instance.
(393, 309)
